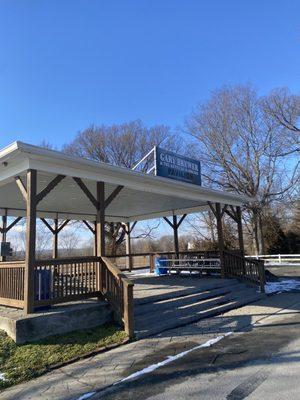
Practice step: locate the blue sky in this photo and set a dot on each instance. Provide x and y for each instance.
(69, 63)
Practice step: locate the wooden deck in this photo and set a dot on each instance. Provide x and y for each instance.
(58, 281)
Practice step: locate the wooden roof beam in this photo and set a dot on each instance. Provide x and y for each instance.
(22, 187)
(113, 195)
(49, 187)
(87, 192)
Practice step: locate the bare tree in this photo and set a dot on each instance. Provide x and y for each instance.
(202, 229)
(115, 234)
(202, 226)
(43, 238)
(123, 145)
(284, 109)
(69, 240)
(241, 147)
(17, 236)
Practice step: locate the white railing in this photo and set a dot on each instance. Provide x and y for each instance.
(279, 258)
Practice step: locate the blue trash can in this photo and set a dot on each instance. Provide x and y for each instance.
(161, 266)
(42, 284)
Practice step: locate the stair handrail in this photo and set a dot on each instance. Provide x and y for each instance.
(121, 297)
(243, 265)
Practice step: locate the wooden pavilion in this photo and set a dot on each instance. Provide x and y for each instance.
(39, 183)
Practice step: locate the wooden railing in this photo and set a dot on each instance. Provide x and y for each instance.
(138, 261)
(12, 283)
(61, 280)
(118, 290)
(172, 255)
(235, 265)
(145, 260)
(79, 278)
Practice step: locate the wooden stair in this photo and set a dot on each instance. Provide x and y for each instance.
(174, 310)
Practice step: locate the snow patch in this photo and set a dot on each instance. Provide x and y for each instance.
(282, 286)
(2, 376)
(170, 359)
(141, 272)
(86, 396)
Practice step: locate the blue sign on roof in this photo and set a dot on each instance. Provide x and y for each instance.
(174, 166)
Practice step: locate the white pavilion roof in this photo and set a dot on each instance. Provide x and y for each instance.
(143, 196)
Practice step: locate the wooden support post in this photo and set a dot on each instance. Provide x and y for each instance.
(100, 204)
(220, 237)
(95, 238)
(176, 241)
(128, 308)
(100, 220)
(152, 262)
(4, 232)
(100, 231)
(240, 230)
(175, 225)
(262, 277)
(31, 203)
(55, 239)
(128, 246)
(55, 231)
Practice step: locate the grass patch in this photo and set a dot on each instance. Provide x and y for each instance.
(20, 363)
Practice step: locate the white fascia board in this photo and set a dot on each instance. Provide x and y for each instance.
(9, 150)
